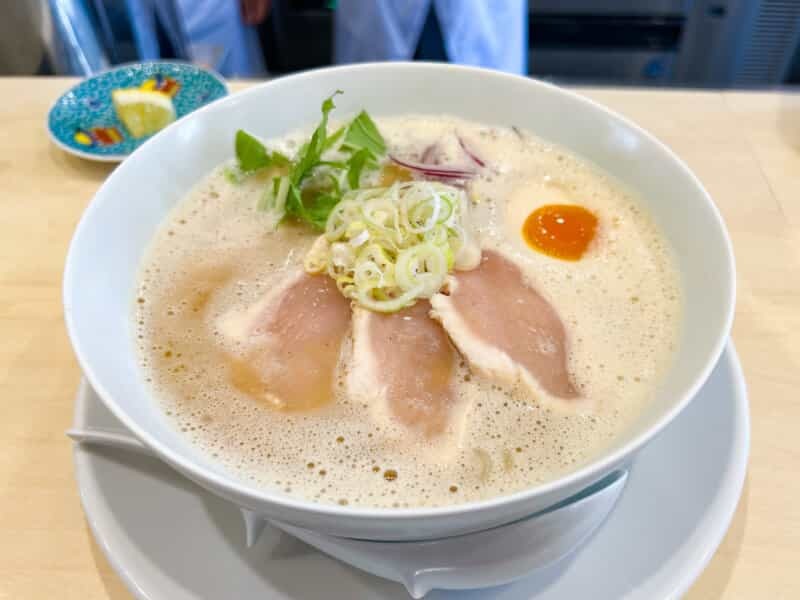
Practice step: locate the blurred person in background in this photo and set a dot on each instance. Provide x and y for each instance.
(218, 36)
(483, 33)
(88, 36)
(222, 34)
(487, 33)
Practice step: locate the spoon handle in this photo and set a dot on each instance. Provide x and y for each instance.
(105, 437)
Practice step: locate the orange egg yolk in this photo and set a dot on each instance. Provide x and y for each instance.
(560, 230)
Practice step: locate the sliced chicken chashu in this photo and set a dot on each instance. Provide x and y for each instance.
(403, 366)
(291, 342)
(505, 329)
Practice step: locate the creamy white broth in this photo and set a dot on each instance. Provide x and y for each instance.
(620, 305)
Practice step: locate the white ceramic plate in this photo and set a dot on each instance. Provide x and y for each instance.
(83, 120)
(170, 539)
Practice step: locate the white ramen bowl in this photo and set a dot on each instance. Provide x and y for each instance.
(101, 268)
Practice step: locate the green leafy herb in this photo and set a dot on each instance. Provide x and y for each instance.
(267, 200)
(337, 189)
(363, 133)
(336, 164)
(310, 154)
(274, 198)
(308, 158)
(279, 160)
(319, 209)
(294, 203)
(252, 155)
(232, 174)
(314, 208)
(334, 137)
(298, 194)
(355, 165)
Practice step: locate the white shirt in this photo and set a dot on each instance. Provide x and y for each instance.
(487, 33)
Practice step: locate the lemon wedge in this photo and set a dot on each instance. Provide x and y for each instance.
(143, 112)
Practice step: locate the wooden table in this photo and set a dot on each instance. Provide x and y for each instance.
(745, 147)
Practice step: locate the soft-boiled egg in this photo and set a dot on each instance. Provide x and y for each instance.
(544, 217)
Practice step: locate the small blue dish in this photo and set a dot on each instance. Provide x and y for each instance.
(83, 121)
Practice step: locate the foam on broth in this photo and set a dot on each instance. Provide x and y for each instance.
(620, 305)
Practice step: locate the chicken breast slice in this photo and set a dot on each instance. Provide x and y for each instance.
(290, 343)
(505, 329)
(403, 366)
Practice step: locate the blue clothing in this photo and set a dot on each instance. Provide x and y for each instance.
(212, 30)
(483, 33)
(218, 37)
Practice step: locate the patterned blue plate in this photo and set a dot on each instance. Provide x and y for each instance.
(83, 120)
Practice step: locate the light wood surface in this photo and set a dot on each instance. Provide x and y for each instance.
(745, 147)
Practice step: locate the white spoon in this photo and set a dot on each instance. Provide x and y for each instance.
(108, 437)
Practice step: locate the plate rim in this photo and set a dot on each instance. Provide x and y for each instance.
(734, 486)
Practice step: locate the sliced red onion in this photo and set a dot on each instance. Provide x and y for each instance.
(434, 171)
(430, 155)
(475, 158)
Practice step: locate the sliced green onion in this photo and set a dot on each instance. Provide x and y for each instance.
(340, 219)
(316, 259)
(359, 239)
(388, 247)
(424, 266)
(407, 298)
